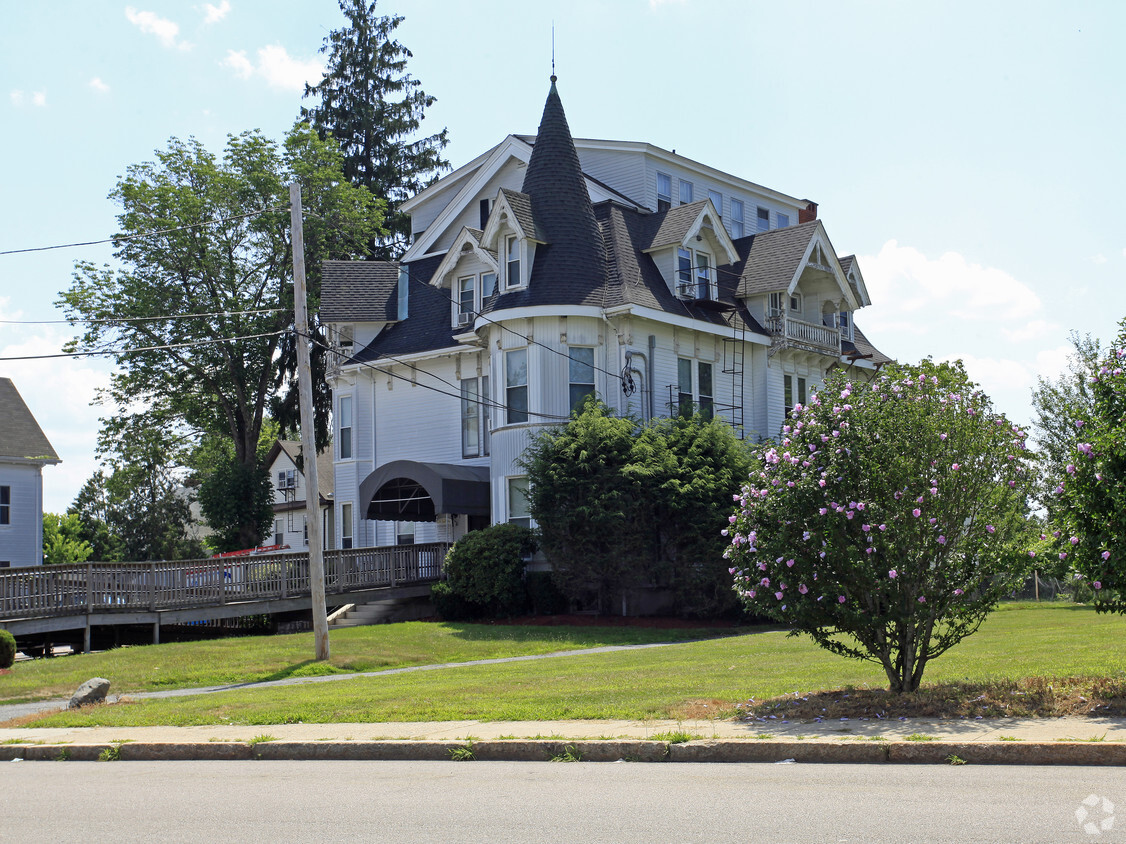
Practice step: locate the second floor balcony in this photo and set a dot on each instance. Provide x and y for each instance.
(787, 331)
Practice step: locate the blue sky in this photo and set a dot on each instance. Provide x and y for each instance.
(968, 153)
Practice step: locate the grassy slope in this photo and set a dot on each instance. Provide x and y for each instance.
(255, 658)
(688, 681)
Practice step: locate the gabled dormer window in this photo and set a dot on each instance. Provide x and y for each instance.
(844, 320)
(694, 278)
(795, 303)
(512, 276)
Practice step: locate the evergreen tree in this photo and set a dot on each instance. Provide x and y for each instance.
(372, 106)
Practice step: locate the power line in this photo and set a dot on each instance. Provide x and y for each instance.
(125, 238)
(120, 352)
(117, 320)
(484, 402)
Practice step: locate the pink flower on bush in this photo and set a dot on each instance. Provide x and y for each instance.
(916, 512)
(942, 540)
(1074, 540)
(840, 599)
(922, 599)
(1106, 555)
(990, 529)
(893, 574)
(958, 592)
(1097, 584)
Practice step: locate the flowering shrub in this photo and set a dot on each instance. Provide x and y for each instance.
(1087, 506)
(886, 523)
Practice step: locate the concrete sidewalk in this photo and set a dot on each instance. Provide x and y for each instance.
(1067, 741)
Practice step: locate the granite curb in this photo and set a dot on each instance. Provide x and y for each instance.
(613, 750)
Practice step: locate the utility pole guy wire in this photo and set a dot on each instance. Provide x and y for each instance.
(308, 432)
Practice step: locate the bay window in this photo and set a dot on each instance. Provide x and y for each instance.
(580, 376)
(516, 385)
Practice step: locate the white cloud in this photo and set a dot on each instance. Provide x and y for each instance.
(656, 4)
(165, 30)
(239, 63)
(1029, 331)
(214, 14)
(59, 392)
(1052, 363)
(1098, 259)
(278, 68)
(98, 85)
(283, 71)
(961, 289)
(20, 99)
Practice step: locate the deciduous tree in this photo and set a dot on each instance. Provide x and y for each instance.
(199, 309)
(888, 520)
(1087, 501)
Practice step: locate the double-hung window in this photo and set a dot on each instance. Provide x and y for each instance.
(664, 192)
(5, 505)
(518, 511)
(346, 525)
(775, 304)
(736, 218)
(474, 419)
(703, 277)
(516, 385)
(794, 389)
(763, 219)
(717, 200)
(345, 426)
(580, 376)
(783, 220)
(466, 293)
(844, 320)
(684, 386)
(685, 192)
(488, 285)
(706, 399)
(512, 261)
(683, 271)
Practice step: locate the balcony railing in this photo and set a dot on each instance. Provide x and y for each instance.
(794, 332)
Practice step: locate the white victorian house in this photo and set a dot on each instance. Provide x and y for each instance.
(24, 451)
(549, 268)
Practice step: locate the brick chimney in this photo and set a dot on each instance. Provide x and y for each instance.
(809, 213)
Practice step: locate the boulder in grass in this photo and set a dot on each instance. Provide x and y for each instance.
(92, 691)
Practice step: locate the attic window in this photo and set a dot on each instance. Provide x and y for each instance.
(783, 220)
(763, 219)
(664, 192)
(736, 218)
(345, 337)
(685, 192)
(717, 200)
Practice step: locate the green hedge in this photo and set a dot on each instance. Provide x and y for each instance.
(7, 649)
(485, 574)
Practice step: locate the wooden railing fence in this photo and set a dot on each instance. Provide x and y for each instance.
(131, 587)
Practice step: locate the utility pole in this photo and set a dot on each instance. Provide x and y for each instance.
(308, 432)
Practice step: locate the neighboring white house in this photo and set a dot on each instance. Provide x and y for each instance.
(24, 451)
(547, 269)
(290, 496)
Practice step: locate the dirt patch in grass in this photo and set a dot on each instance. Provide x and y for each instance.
(1032, 697)
(702, 710)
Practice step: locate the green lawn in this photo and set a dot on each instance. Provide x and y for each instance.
(687, 680)
(254, 658)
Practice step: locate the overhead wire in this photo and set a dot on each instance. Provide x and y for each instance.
(374, 365)
(125, 320)
(125, 238)
(164, 347)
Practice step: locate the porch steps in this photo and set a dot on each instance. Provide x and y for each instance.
(380, 612)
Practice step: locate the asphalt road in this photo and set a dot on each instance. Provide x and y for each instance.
(536, 802)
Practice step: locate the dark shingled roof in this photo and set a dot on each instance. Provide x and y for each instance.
(21, 438)
(669, 227)
(864, 348)
(359, 291)
(774, 258)
(571, 266)
(521, 205)
(427, 326)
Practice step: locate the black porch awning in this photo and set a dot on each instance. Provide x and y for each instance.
(405, 490)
